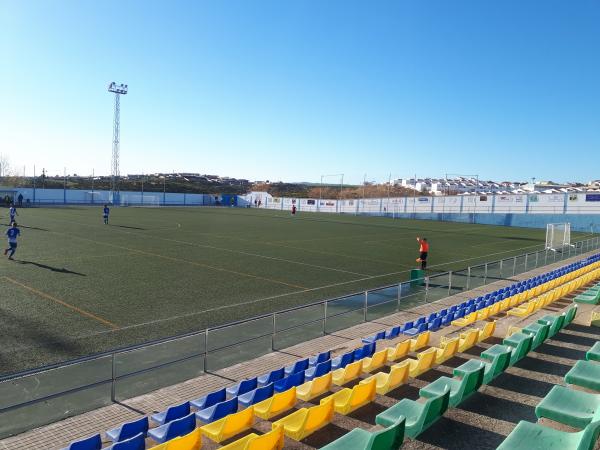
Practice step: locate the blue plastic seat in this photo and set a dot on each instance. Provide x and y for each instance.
(435, 325)
(373, 338)
(173, 429)
(459, 314)
(414, 331)
(255, 396)
(298, 366)
(364, 351)
(419, 321)
(342, 361)
(452, 309)
(271, 377)
(321, 357)
(128, 430)
(431, 317)
(242, 387)
(90, 443)
(209, 400)
(442, 313)
(406, 326)
(137, 442)
(392, 333)
(218, 411)
(172, 413)
(284, 384)
(447, 319)
(317, 371)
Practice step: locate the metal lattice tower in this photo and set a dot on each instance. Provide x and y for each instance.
(117, 89)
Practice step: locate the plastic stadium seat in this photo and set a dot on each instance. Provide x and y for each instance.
(539, 331)
(190, 441)
(468, 319)
(90, 443)
(471, 378)
(423, 363)
(406, 326)
(533, 436)
(255, 396)
(347, 400)
(435, 324)
(570, 315)
(521, 344)
(305, 421)
(298, 366)
(571, 407)
(128, 430)
(588, 297)
(364, 351)
(386, 382)
(487, 331)
(314, 388)
(393, 332)
(350, 372)
(419, 416)
(448, 350)
(378, 360)
(276, 404)
(271, 377)
(172, 413)
(218, 411)
(229, 426)
(287, 383)
(209, 400)
(342, 361)
(373, 338)
(448, 318)
(242, 387)
(420, 341)
(273, 440)
(320, 358)
(585, 374)
(399, 351)
(162, 446)
(499, 357)
(137, 442)
(416, 330)
(173, 429)
(555, 322)
(317, 371)
(593, 354)
(388, 439)
(467, 340)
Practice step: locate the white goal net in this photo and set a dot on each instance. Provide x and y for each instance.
(140, 200)
(558, 236)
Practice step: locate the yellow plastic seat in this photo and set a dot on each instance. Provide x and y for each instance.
(386, 382)
(314, 388)
(378, 360)
(273, 440)
(306, 421)
(517, 301)
(348, 400)
(487, 331)
(505, 304)
(191, 441)
(160, 446)
(421, 341)
(230, 425)
(483, 313)
(399, 351)
(448, 350)
(522, 311)
(464, 321)
(494, 309)
(347, 374)
(468, 339)
(276, 404)
(423, 362)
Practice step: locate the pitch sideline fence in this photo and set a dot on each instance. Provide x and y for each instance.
(48, 394)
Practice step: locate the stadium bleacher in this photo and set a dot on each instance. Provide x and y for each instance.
(229, 412)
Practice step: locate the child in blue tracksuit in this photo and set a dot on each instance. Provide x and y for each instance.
(12, 234)
(105, 214)
(12, 212)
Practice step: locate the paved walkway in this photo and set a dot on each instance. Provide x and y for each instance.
(481, 422)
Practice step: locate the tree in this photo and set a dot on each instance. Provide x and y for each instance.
(4, 165)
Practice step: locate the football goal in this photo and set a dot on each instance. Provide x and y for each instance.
(141, 200)
(558, 236)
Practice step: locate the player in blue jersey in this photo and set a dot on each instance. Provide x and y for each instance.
(12, 234)
(105, 213)
(12, 211)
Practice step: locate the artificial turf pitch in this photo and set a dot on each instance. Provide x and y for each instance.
(79, 286)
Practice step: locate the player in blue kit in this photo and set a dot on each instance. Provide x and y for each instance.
(12, 234)
(12, 211)
(105, 213)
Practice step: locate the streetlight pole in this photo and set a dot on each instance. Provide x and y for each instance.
(118, 90)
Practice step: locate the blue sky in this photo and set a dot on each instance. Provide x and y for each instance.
(291, 90)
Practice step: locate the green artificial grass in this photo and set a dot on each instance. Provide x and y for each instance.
(78, 286)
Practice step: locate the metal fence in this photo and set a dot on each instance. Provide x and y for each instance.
(45, 395)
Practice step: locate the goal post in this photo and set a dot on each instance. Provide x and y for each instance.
(558, 236)
(148, 200)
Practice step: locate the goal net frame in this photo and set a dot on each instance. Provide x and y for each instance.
(146, 200)
(558, 236)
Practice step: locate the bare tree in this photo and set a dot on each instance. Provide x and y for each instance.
(4, 165)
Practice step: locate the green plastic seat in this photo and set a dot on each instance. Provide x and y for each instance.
(593, 354)
(569, 406)
(358, 439)
(591, 298)
(471, 378)
(419, 416)
(585, 374)
(570, 314)
(533, 436)
(521, 344)
(555, 322)
(539, 331)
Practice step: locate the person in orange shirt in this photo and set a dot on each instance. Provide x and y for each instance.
(424, 250)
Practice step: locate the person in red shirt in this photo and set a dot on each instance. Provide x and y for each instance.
(424, 250)
(293, 210)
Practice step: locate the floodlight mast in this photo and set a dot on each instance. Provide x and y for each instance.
(118, 90)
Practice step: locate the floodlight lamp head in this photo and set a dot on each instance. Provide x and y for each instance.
(117, 88)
